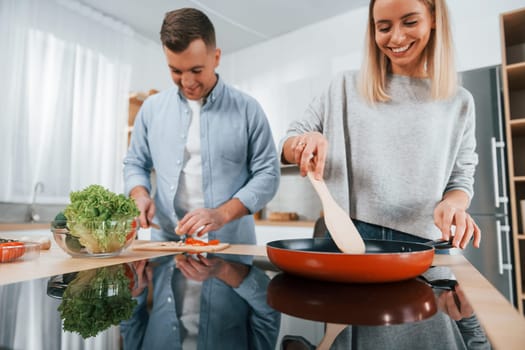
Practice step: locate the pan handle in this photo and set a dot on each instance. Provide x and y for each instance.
(441, 244)
(444, 284)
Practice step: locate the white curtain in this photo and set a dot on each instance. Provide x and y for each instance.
(64, 84)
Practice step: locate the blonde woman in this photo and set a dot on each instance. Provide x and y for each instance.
(395, 142)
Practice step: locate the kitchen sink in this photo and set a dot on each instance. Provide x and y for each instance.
(28, 213)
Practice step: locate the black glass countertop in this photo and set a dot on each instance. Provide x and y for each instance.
(84, 310)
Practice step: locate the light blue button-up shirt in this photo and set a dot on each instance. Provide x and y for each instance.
(239, 158)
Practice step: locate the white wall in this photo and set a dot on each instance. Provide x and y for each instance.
(150, 70)
(307, 58)
(284, 73)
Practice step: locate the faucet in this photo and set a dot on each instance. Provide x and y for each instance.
(34, 215)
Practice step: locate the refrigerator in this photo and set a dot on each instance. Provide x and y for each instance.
(490, 204)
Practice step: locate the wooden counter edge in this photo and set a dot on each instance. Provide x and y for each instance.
(502, 322)
(7, 226)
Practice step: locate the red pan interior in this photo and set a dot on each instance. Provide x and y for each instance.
(319, 258)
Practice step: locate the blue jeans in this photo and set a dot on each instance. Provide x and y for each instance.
(371, 231)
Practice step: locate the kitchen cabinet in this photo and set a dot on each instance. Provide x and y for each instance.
(267, 231)
(135, 102)
(512, 26)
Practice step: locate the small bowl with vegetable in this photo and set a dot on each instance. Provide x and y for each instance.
(97, 223)
(15, 250)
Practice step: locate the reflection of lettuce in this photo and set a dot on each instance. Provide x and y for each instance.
(97, 299)
(100, 219)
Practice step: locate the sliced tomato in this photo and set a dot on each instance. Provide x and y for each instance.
(194, 241)
(132, 231)
(10, 251)
(130, 274)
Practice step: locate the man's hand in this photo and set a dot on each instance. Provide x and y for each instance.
(144, 276)
(199, 268)
(145, 204)
(200, 221)
(203, 220)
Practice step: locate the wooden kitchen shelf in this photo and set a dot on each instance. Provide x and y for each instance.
(512, 26)
(136, 99)
(516, 74)
(518, 126)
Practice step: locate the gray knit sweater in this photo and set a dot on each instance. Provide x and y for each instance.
(390, 163)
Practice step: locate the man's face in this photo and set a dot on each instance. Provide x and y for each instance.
(193, 70)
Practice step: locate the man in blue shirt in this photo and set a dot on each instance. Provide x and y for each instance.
(215, 163)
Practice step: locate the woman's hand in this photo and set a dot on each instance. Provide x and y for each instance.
(451, 211)
(455, 304)
(308, 151)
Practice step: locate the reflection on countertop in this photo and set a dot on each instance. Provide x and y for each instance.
(410, 314)
(500, 320)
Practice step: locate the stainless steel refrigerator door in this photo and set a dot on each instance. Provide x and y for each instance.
(493, 258)
(490, 185)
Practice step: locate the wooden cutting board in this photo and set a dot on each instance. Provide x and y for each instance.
(178, 247)
(224, 248)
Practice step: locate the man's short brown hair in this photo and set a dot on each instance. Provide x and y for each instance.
(181, 27)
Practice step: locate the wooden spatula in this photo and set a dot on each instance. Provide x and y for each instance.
(341, 227)
(331, 332)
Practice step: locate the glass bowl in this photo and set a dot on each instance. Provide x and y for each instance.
(97, 239)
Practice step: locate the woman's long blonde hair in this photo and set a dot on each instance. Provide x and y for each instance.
(439, 58)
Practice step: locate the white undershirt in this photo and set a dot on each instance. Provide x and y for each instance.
(190, 195)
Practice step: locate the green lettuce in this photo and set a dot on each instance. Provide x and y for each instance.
(100, 219)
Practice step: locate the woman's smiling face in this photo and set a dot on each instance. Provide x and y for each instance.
(402, 31)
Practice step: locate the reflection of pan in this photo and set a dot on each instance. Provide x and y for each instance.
(352, 304)
(383, 261)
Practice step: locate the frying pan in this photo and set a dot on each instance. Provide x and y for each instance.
(353, 304)
(383, 261)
